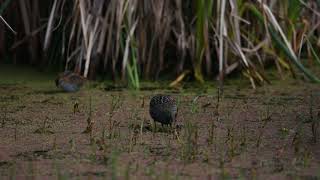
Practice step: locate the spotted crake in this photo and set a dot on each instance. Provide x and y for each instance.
(163, 109)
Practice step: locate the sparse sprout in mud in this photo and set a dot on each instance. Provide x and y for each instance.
(302, 157)
(89, 127)
(127, 171)
(4, 117)
(137, 124)
(284, 132)
(189, 144)
(72, 145)
(211, 133)
(76, 107)
(15, 130)
(243, 138)
(223, 173)
(214, 117)
(31, 170)
(314, 121)
(90, 121)
(194, 107)
(109, 127)
(265, 118)
(142, 102)
(231, 144)
(306, 158)
(141, 131)
(315, 127)
(132, 140)
(134, 118)
(13, 171)
(54, 144)
(116, 103)
(296, 140)
(112, 161)
(45, 127)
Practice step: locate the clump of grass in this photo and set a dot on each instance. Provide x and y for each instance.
(31, 170)
(243, 137)
(60, 174)
(189, 140)
(134, 120)
(314, 127)
(72, 143)
(284, 132)
(127, 171)
(112, 162)
(314, 121)
(76, 106)
(132, 140)
(90, 121)
(189, 148)
(54, 144)
(110, 126)
(13, 171)
(44, 128)
(136, 126)
(265, 117)
(4, 115)
(194, 107)
(150, 171)
(142, 101)
(116, 103)
(223, 172)
(216, 114)
(231, 144)
(303, 157)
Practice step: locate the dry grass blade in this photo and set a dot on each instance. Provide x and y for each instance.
(180, 78)
(26, 38)
(126, 51)
(180, 33)
(120, 12)
(50, 26)
(222, 32)
(84, 21)
(5, 22)
(109, 25)
(276, 25)
(92, 40)
(25, 15)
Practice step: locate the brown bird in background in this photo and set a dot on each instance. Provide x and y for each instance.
(69, 81)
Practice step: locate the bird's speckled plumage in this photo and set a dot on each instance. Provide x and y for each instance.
(69, 81)
(163, 109)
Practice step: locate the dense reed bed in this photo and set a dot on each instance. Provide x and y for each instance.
(129, 40)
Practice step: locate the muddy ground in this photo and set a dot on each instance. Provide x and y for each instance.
(249, 134)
